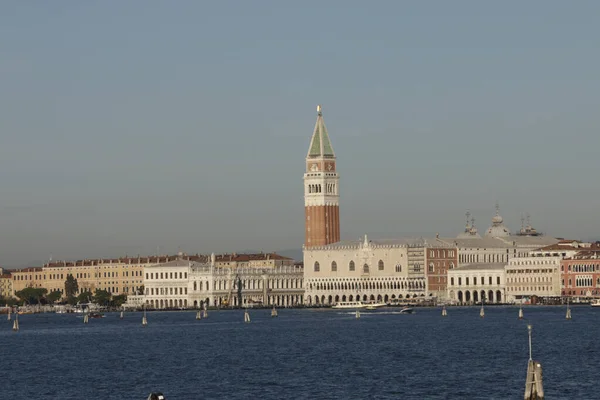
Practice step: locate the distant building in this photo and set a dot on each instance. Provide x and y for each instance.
(189, 284)
(6, 285)
(440, 257)
(471, 283)
(580, 273)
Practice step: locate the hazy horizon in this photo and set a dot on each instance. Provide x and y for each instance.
(130, 125)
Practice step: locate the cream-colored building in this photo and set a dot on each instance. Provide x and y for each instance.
(6, 285)
(365, 270)
(536, 275)
(471, 283)
(183, 283)
(166, 284)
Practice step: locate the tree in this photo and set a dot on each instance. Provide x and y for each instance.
(117, 301)
(31, 295)
(85, 297)
(140, 291)
(71, 287)
(102, 297)
(54, 296)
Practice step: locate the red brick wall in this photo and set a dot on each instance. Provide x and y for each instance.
(322, 225)
(441, 259)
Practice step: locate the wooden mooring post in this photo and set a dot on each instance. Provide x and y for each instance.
(534, 386)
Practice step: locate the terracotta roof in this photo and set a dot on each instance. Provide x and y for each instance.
(128, 260)
(29, 269)
(249, 257)
(5, 276)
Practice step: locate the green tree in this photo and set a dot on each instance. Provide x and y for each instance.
(85, 297)
(54, 296)
(31, 295)
(71, 287)
(117, 301)
(102, 297)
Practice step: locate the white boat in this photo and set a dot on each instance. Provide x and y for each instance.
(595, 303)
(406, 310)
(375, 306)
(349, 304)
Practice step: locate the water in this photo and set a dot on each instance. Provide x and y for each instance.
(302, 354)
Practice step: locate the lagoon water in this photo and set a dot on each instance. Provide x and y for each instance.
(302, 354)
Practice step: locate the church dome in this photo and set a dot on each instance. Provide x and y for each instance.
(497, 229)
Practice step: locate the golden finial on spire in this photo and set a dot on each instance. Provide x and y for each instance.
(319, 111)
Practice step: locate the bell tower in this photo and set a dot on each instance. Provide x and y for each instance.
(321, 190)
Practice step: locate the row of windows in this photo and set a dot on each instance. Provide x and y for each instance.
(166, 291)
(165, 275)
(441, 253)
(585, 281)
(352, 267)
(529, 289)
(582, 268)
(369, 285)
(482, 280)
(528, 271)
(528, 279)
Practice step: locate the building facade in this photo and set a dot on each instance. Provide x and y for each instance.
(580, 274)
(439, 258)
(470, 284)
(191, 284)
(371, 271)
(536, 275)
(321, 189)
(6, 285)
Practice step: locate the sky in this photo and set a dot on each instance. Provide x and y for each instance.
(141, 126)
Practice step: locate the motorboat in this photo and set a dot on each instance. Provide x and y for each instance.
(595, 303)
(406, 310)
(375, 306)
(349, 304)
(96, 315)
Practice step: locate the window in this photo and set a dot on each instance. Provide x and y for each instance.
(452, 281)
(431, 267)
(333, 266)
(317, 266)
(432, 254)
(380, 265)
(490, 280)
(351, 266)
(366, 269)
(497, 280)
(451, 265)
(467, 281)
(398, 268)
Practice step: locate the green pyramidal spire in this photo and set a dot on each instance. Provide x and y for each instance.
(320, 146)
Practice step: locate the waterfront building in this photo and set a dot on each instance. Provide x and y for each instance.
(27, 277)
(184, 283)
(469, 284)
(439, 258)
(166, 284)
(535, 275)
(6, 284)
(580, 273)
(367, 270)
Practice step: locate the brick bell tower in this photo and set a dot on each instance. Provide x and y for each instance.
(321, 190)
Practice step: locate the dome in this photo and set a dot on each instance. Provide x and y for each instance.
(497, 229)
(497, 219)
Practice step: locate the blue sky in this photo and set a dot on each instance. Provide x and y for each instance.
(130, 125)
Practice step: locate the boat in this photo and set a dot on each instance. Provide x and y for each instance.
(96, 315)
(349, 304)
(273, 312)
(406, 310)
(375, 306)
(595, 303)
